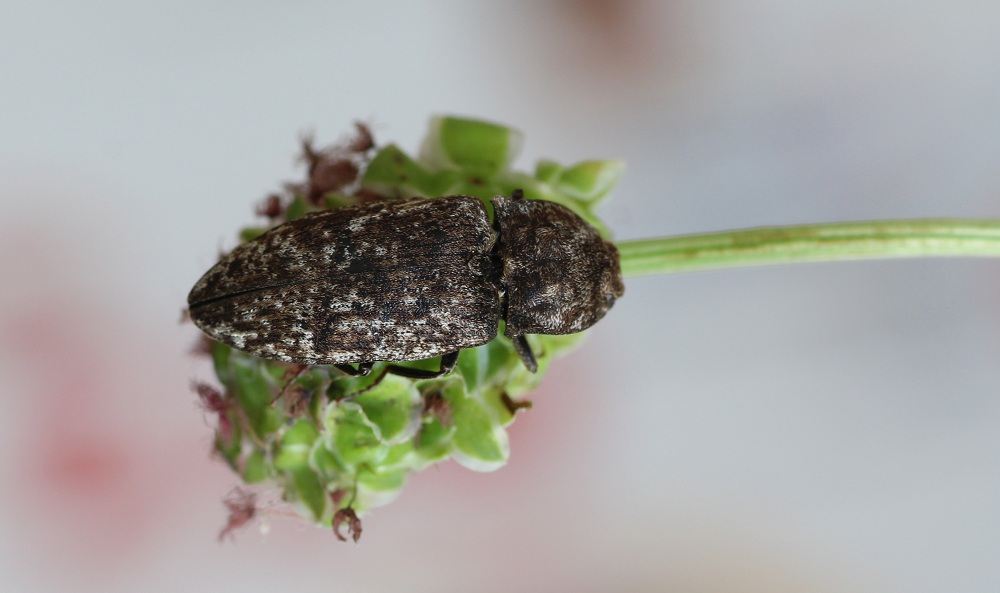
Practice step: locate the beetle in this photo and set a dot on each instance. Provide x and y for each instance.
(402, 280)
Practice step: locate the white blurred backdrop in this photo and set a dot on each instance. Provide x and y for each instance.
(822, 427)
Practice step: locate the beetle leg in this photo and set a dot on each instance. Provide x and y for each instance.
(513, 406)
(448, 362)
(524, 351)
(362, 371)
(291, 375)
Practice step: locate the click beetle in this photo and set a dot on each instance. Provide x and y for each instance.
(403, 280)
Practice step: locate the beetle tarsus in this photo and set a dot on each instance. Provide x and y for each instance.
(448, 362)
(364, 368)
(514, 406)
(291, 375)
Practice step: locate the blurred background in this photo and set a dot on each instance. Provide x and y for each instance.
(823, 427)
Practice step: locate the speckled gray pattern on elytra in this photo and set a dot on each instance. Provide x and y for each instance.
(406, 280)
(395, 281)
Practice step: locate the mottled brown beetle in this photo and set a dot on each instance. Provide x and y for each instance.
(409, 279)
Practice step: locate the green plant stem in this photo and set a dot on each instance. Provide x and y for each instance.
(811, 243)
